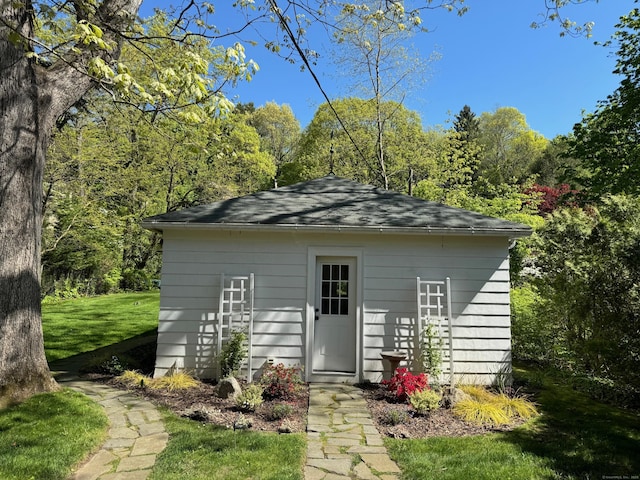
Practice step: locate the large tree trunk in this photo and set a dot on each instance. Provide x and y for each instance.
(31, 99)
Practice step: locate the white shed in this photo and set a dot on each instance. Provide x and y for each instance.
(327, 274)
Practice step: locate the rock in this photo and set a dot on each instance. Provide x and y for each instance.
(242, 423)
(229, 387)
(452, 396)
(200, 413)
(398, 432)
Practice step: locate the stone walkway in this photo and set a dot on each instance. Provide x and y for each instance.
(343, 442)
(136, 435)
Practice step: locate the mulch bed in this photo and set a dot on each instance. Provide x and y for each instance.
(202, 404)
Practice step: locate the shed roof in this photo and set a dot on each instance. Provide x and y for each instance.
(336, 203)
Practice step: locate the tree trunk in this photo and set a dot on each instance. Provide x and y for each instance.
(32, 97)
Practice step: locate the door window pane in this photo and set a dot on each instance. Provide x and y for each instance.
(335, 289)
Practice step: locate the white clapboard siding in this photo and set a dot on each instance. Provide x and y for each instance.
(477, 266)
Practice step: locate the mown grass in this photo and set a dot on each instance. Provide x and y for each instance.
(574, 438)
(205, 452)
(84, 324)
(46, 436)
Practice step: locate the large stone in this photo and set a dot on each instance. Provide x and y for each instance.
(229, 387)
(452, 396)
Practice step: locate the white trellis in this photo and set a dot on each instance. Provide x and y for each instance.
(236, 312)
(434, 307)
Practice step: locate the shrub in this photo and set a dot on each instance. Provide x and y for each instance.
(424, 401)
(393, 416)
(280, 381)
(404, 383)
(280, 411)
(233, 353)
(250, 398)
(431, 351)
(178, 380)
(112, 366)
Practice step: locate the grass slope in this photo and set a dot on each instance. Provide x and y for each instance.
(204, 452)
(574, 438)
(85, 324)
(44, 437)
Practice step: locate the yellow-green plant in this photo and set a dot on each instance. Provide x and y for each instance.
(487, 407)
(132, 379)
(481, 412)
(425, 401)
(516, 407)
(478, 392)
(178, 380)
(250, 398)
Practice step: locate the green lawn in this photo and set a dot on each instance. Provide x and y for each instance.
(574, 438)
(84, 324)
(46, 436)
(198, 451)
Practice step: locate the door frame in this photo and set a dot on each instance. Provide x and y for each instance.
(312, 258)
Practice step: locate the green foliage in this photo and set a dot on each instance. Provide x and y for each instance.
(431, 351)
(606, 142)
(281, 382)
(233, 353)
(48, 435)
(394, 416)
(531, 333)
(359, 116)
(589, 284)
(280, 411)
(250, 398)
(509, 146)
(425, 401)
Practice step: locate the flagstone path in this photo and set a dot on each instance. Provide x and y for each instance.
(343, 442)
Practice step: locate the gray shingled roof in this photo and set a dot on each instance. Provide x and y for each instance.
(335, 203)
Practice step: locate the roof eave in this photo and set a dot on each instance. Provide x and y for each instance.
(467, 231)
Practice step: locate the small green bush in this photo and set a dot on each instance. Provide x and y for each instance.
(424, 401)
(280, 411)
(394, 416)
(250, 398)
(233, 353)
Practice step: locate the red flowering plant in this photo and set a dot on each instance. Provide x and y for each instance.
(404, 383)
(281, 382)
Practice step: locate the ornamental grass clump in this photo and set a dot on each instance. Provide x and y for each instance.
(133, 379)
(485, 407)
(177, 380)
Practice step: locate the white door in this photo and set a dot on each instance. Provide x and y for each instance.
(334, 339)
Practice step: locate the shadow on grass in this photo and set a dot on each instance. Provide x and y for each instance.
(137, 352)
(580, 438)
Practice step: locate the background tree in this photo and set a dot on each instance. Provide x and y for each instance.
(372, 47)
(279, 132)
(404, 137)
(509, 146)
(607, 141)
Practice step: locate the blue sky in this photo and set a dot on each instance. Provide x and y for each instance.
(490, 58)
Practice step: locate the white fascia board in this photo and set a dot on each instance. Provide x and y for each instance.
(466, 231)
